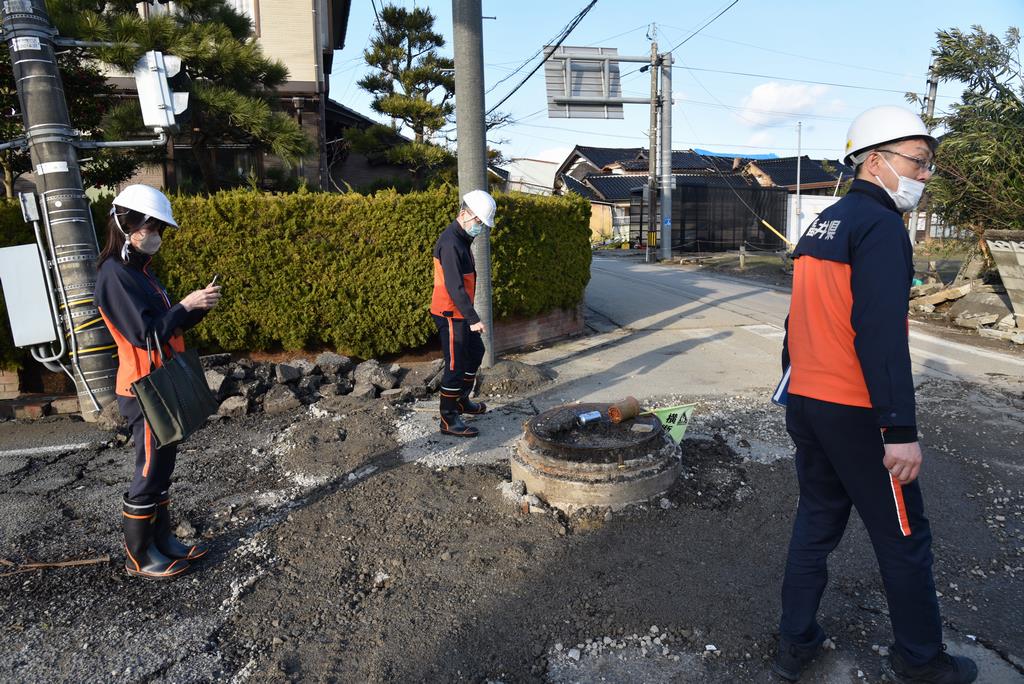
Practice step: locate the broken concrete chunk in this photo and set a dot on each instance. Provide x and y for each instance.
(975, 321)
(396, 396)
(287, 373)
(279, 399)
(371, 373)
(364, 390)
(926, 289)
(234, 407)
(945, 295)
(304, 367)
(331, 363)
(215, 381)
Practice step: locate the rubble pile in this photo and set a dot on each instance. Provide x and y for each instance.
(244, 386)
(974, 305)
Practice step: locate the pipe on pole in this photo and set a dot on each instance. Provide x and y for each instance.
(30, 35)
(467, 21)
(666, 156)
(652, 158)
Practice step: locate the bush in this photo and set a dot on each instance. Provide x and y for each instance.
(348, 271)
(354, 272)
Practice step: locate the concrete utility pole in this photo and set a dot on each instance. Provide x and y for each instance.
(652, 157)
(666, 156)
(66, 220)
(799, 153)
(929, 112)
(472, 136)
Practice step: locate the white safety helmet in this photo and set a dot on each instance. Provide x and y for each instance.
(148, 201)
(880, 125)
(482, 205)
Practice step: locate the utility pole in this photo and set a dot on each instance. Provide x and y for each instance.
(666, 156)
(652, 158)
(929, 112)
(799, 153)
(66, 219)
(471, 132)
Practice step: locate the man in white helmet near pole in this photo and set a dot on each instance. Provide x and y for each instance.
(451, 306)
(850, 408)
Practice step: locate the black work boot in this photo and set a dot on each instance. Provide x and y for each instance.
(791, 658)
(465, 404)
(942, 669)
(144, 558)
(451, 421)
(165, 542)
(470, 407)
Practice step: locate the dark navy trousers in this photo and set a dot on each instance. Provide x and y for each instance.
(153, 466)
(463, 351)
(839, 452)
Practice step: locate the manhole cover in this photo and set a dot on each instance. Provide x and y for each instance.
(598, 464)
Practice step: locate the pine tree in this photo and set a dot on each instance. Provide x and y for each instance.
(980, 179)
(414, 86)
(231, 83)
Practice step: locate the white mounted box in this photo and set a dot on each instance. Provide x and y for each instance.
(28, 305)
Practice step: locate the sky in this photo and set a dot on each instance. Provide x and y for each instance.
(817, 63)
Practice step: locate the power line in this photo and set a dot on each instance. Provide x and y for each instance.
(785, 78)
(793, 54)
(706, 24)
(565, 34)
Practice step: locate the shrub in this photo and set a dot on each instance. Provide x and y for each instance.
(354, 272)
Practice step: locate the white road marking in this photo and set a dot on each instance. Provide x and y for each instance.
(38, 451)
(770, 331)
(966, 349)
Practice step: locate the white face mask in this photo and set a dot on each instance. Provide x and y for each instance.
(149, 244)
(908, 191)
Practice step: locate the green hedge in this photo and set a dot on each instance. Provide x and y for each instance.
(347, 271)
(354, 272)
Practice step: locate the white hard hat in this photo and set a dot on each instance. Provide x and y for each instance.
(148, 201)
(880, 125)
(482, 205)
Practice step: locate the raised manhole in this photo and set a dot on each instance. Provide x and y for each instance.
(599, 464)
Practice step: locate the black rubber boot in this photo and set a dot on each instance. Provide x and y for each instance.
(451, 421)
(942, 669)
(791, 658)
(165, 542)
(144, 558)
(464, 403)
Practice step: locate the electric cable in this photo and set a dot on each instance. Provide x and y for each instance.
(572, 25)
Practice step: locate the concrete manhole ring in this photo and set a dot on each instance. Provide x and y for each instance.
(602, 464)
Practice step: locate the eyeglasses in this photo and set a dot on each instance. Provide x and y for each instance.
(922, 164)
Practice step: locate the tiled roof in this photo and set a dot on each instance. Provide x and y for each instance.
(840, 168)
(783, 171)
(499, 172)
(616, 187)
(619, 187)
(684, 160)
(603, 156)
(573, 185)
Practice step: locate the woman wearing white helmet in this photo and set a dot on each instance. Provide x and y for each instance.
(134, 305)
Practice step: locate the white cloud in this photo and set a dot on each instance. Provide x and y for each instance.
(555, 154)
(761, 139)
(765, 105)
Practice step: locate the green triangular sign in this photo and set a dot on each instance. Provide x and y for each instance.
(675, 419)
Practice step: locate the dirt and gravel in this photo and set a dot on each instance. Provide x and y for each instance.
(345, 549)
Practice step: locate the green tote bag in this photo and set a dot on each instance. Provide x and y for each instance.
(175, 399)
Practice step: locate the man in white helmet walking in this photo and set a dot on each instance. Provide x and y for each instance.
(451, 306)
(850, 409)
